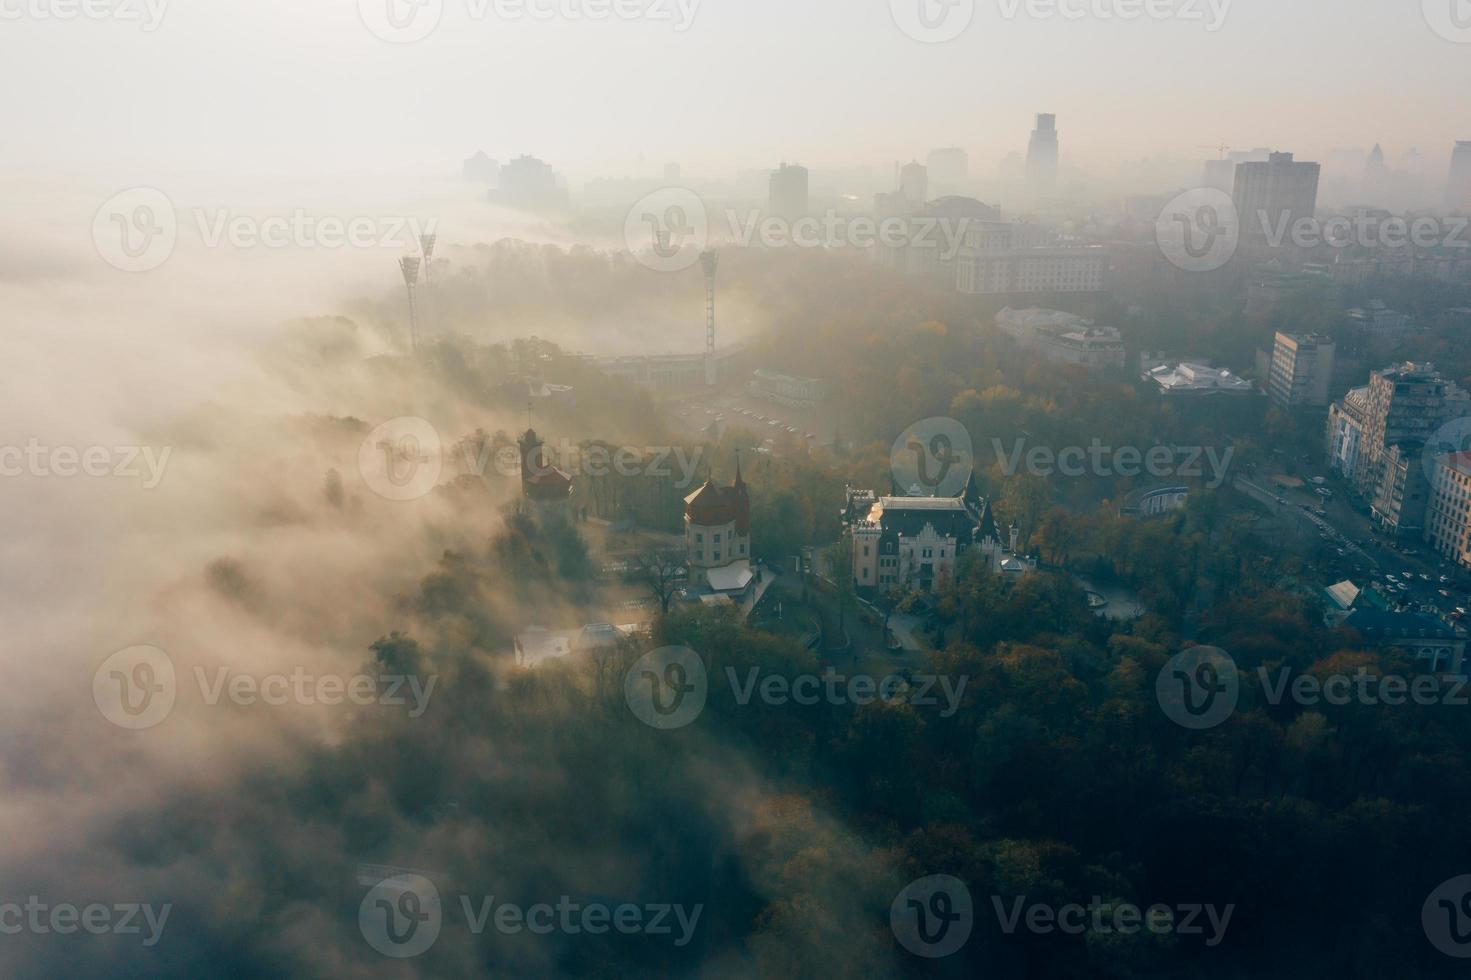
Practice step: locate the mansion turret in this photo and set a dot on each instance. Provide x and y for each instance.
(545, 489)
(717, 539)
(717, 524)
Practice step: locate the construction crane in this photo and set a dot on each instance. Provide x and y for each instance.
(1221, 149)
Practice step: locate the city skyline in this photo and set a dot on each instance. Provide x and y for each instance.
(339, 98)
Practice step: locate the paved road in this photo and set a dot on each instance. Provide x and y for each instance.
(1373, 554)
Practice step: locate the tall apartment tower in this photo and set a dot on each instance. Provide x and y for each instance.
(1301, 372)
(788, 192)
(1404, 407)
(914, 183)
(1458, 186)
(1271, 196)
(1042, 152)
(948, 166)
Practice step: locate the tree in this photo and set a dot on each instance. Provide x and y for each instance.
(840, 565)
(659, 571)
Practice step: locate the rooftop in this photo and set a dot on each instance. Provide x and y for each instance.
(1193, 376)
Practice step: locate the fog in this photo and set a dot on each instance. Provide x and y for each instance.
(229, 394)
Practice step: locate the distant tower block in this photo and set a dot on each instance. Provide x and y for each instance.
(409, 265)
(709, 261)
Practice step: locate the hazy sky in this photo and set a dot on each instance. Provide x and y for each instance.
(292, 86)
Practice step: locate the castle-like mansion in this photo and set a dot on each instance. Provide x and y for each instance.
(911, 543)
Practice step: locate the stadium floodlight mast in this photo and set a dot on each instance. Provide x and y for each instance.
(709, 261)
(409, 265)
(426, 244)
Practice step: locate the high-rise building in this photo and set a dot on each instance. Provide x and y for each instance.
(948, 167)
(482, 168)
(1301, 371)
(1388, 426)
(1458, 186)
(914, 183)
(788, 192)
(530, 185)
(1271, 196)
(1042, 152)
(1220, 174)
(1448, 523)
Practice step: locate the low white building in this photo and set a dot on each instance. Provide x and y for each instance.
(1191, 378)
(1063, 337)
(538, 645)
(1378, 320)
(1079, 269)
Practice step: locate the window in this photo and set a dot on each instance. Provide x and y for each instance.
(717, 539)
(699, 537)
(717, 556)
(865, 551)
